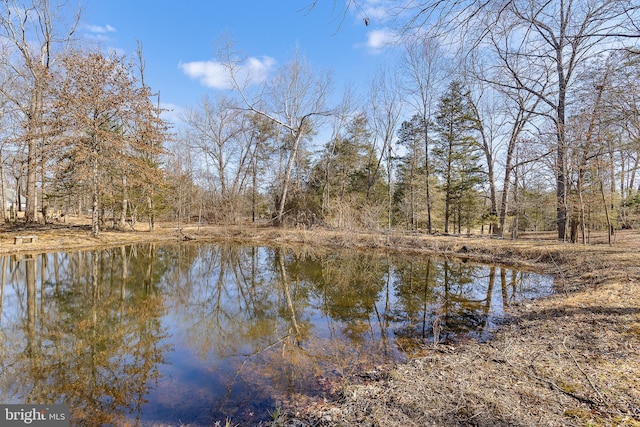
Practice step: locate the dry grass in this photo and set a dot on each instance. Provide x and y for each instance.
(572, 359)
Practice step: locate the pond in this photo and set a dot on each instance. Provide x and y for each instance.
(194, 333)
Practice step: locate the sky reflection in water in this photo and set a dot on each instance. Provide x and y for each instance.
(197, 333)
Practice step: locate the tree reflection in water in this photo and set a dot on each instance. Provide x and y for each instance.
(86, 340)
(124, 335)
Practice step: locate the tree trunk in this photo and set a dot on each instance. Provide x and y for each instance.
(389, 193)
(254, 177)
(95, 225)
(505, 188)
(427, 167)
(447, 196)
(515, 225)
(18, 197)
(3, 193)
(125, 203)
(30, 214)
(561, 185)
(412, 207)
(152, 215)
(287, 174)
(606, 212)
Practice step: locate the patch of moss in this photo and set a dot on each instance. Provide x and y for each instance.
(625, 421)
(589, 419)
(567, 388)
(633, 329)
(583, 415)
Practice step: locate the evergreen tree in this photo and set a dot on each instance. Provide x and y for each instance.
(411, 169)
(342, 176)
(456, 154)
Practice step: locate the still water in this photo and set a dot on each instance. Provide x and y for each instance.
(191, 334)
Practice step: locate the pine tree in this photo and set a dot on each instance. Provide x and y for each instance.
(411, 169)
(456, 154)
(344, 174)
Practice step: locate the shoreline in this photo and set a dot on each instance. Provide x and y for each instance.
(572, 358)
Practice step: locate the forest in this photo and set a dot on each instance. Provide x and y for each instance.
(495, 118)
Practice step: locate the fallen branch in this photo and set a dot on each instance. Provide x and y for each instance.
(555, 386)
(583, 372)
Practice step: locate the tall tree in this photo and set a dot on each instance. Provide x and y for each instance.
(456, 152)
(5, 130)
(348, 164)
(411, 170)
(38, 33)
(294, 99)
(322, 176)
(386, 108)
(424, 64)
(107, 120)
(216, 127)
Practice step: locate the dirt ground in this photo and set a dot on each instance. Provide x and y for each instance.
(572, 359)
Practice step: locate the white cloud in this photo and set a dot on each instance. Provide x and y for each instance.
(215, 75)
(100, 29)
(210, 74)
(376, 10)
(377, 40)
(376, 13)
(101, 33)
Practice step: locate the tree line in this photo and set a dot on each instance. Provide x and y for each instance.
(496, 117)
(79, 129)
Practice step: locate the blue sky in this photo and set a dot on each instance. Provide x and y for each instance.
(178, 39)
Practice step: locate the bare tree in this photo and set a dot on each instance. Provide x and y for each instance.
(215, 126)
(483, 111)
(342, 115)
(229, 140)
(507, 112)
(37, 35)
(424, 64)
(294, 99)
(386, 108)
(534, 39)
(5, 109)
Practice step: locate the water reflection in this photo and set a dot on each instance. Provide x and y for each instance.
(80, 335)
(196, 333)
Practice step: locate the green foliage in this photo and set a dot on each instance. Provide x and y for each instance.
(345, 180)
(457, 155)
(632, 202)
(411, 173)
